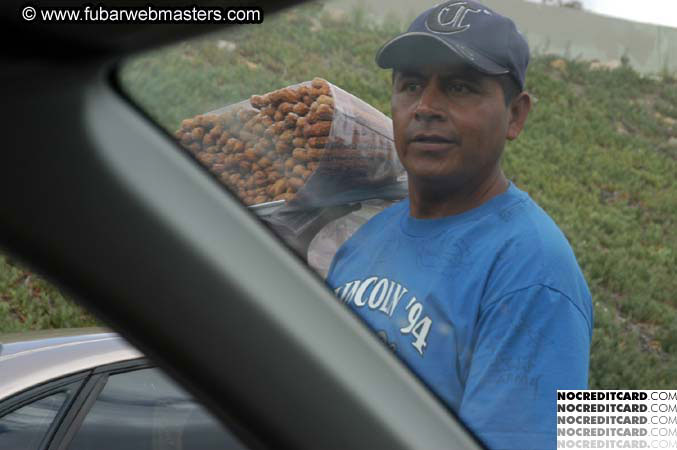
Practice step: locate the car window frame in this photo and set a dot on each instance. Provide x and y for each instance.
(87, 397)
(78, 381)
(97, 382)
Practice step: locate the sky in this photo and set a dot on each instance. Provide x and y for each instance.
(660, 12)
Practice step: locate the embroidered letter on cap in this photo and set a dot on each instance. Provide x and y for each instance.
(449, 18)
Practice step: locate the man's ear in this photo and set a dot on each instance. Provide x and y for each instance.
(518, 111)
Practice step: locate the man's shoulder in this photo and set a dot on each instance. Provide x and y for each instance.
(524, 226)
(533, 251)
(514, 225)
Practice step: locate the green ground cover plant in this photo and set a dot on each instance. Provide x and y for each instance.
(28, 302)
(599, 154)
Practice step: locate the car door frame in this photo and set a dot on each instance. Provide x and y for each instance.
(148, 255)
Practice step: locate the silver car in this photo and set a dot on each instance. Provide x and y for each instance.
(90, 389)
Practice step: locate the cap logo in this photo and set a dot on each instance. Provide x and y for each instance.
(449, 18)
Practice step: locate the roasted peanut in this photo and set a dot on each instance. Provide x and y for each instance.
(250, 155)
(257, 101)
(290, 119)
(318, 141)
(298, 169)
(298, 142)
(225, 178)
(325, 100)
(270, 131)
(245, 165)
(279, 187)
(187, 124)
(205, 158)
(301, 109)
(317, 129)
(282, 147)
(223, 139)
(258, 128)
(268, 111)
(295, 182)
(217, 168)
(286, 136)
(318, 83)
(285, 108)
(198, 133)
(186, 138)
(300, 154)
(200, 121)
(324, 112)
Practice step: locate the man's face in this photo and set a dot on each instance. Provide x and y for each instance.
(450, 124)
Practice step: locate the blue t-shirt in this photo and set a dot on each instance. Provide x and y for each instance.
(489, 307)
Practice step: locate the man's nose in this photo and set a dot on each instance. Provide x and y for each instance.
(429, 105)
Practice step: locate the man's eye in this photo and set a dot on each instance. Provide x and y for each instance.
(411, 86)
(458, 88)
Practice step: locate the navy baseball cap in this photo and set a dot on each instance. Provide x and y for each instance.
(486, 40)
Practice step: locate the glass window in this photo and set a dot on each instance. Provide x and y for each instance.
(597, 155)
(144, 409)
(26, 427)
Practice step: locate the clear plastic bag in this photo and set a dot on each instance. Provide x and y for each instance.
(329, 239)
(311, 145)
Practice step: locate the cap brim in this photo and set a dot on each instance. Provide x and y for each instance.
(416, 47)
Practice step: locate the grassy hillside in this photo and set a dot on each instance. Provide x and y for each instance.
(599, 154)
(28, 302)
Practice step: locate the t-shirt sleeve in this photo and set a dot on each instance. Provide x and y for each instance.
(529, 344)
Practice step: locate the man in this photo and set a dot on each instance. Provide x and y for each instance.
(468, 280)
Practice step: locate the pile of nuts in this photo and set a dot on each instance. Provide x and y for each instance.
(268, 151)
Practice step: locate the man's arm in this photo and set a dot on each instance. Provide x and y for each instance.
(529, 344)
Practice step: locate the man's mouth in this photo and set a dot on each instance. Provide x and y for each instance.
(431, 138)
